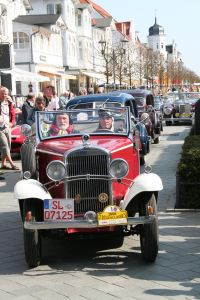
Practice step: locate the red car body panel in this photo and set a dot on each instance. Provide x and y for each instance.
(17, 139)
(117, 146)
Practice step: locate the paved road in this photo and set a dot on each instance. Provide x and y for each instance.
(74, 272)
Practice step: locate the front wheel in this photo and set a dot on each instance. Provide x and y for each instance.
(149, 232)
(32, 238)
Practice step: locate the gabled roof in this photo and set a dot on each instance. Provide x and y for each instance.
(98, 8)
(124, 28)
(37, 19)
(103, 22)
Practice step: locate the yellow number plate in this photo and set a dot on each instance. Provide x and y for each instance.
(112, 218)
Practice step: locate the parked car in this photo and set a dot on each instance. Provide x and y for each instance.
(158, 104)
(115, 100)
(17, 139)
(87, 182)
(180, 108)
(145, 105)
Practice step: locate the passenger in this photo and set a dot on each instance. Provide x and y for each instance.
(61, 125)
(106, 120)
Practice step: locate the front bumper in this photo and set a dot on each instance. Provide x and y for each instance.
(32, 225)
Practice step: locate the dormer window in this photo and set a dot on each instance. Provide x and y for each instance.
(54, 8)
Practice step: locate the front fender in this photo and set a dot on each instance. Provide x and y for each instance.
(30, 188)
(146, 182)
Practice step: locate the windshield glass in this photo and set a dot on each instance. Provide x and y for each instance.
(78, 122)
(98, 104)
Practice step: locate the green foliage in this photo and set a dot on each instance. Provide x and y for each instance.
(189, 172)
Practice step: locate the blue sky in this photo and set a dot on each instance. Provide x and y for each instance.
(180, 19)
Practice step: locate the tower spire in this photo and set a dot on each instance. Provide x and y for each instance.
(155, 16)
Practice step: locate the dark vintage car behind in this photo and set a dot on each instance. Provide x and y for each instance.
(145, 105)
(85, 182)
(180, 107)
(117, 99)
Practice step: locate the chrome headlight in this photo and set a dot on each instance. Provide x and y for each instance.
(26, 130)
(167, 110)
(119, 168)
(56, 170)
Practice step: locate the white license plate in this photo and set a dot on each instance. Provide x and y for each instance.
(58, 210)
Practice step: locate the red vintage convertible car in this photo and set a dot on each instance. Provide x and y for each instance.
(83, 179)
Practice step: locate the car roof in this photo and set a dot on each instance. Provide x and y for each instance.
(137, 92)
(113, 97)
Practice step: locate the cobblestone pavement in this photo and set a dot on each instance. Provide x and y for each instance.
(75, 272)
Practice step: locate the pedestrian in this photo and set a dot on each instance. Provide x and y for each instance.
(27, 106)
(52, 101)
(39, 106)
(7, 120)
(63, 100)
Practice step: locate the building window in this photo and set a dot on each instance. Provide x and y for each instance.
(80, 51)
(79, 19)
(21, 40)
(18, 88)
(2, 26)
(162, 46)
(54, 8)
(3, 14)
(157, 46)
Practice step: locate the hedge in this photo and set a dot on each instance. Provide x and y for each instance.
(188, 174)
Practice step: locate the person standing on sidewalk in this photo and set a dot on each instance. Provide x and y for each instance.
(27, 106)
(7, 120)
(39, 106)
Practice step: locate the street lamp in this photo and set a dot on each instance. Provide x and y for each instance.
(105, 54)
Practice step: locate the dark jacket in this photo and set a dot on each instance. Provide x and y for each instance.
(26, 107)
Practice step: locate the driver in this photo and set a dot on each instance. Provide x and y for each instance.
(106, 120)
(61, 125)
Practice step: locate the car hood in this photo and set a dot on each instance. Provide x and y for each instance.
(61, 145)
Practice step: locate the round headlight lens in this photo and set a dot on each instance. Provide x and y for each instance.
(56, 170)
(26, 130)
(119, 168)
(167, 111)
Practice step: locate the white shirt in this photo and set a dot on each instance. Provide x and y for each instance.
(53, 104)
(5, 112)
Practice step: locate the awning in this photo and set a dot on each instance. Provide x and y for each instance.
(55, 72)
(21, 75)
(93, 74)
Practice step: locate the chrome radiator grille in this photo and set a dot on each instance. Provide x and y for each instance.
(181, 108)
(86, 191)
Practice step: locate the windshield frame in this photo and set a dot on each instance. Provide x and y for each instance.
(125, 110)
